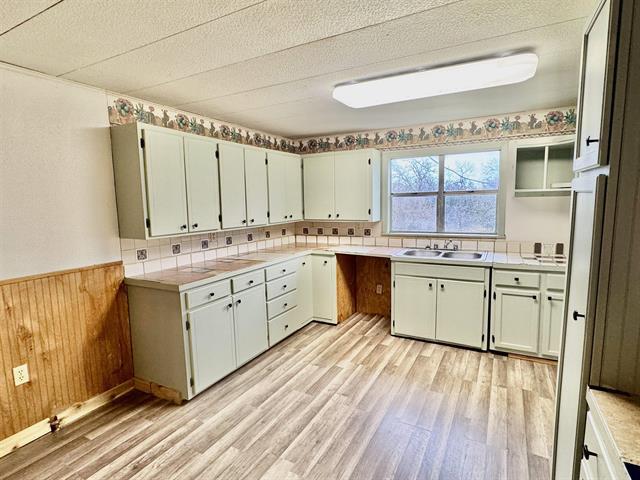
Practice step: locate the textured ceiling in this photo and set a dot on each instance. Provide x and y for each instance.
(272, 64)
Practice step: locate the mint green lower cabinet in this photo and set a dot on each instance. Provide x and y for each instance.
(414, 307)
(212, 341)
(460, 312)
(551, 324)
(250, 320)
(515, 319)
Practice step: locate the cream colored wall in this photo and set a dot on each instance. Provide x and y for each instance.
(57, 200)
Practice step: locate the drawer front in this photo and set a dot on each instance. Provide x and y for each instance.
(555, 282)
(283, 325)
(281, 269)
(453, 272)
(596, 465)
(282, 304)
(515, 278)
(208, 293)
(280, 286)
(248, 280)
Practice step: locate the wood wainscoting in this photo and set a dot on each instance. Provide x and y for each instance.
(72, 330)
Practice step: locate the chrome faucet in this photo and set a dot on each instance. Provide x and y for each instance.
(449, 245)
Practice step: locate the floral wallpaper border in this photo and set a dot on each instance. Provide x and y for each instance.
(559, 121)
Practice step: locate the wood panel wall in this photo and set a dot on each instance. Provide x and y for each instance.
(72, 329)
(357, 278)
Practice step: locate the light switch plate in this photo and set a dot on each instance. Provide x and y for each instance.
(21, 374)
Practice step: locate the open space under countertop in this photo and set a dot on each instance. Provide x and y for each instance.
(191, 276)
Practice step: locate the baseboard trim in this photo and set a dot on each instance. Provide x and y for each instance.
(160, 391)
(62, 419)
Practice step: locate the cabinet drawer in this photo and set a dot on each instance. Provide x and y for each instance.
(281, 269)
(597, 464)
(515, 278)
(284, 325)
(214, 291)
(555, 282)
(248, 280)
(280, 286)
(282, 304)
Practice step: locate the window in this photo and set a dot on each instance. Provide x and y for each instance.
(451, 193)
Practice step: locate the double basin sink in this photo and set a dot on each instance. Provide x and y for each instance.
(453, 255)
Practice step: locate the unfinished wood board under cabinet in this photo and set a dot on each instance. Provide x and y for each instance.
(72, 330)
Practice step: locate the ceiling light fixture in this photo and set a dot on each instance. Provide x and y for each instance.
(462, 77)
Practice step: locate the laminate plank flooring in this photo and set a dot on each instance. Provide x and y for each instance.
(329, 402)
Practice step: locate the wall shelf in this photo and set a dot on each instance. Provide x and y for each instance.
(544, 169)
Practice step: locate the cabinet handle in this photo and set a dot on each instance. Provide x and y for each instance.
(325, 262)
(244, 221)
(290, 216)
(286, 326)
(250, 282)
(431, 285)
(516, 279)
(586, 453)
(591, 140)
(252, 220)
(285, 216)
(212, 294)
(329, 215)
(183, 227)
(195, 225)
(442, 286)
(304, 263)
(549, 298)
(284, 287)
(230, 305)
(285, 305)
(337, 215)
(577, 315)
(535, 297)
(284, 270)
(238, 302)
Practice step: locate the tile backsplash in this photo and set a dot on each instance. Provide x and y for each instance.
(146, 256)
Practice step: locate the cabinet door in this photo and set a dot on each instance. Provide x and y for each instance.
(255, 173)
(324, 287)
(304, 285)
(414, 306)
(460, 312)
(516, 316)
(293, 175)
(166, 191)
(212, 339)
(352, 185)
(318, 188)
(232, 191)
(203, 196)
(250, 312)
(553, 309)
(594, 67)
(277, 188)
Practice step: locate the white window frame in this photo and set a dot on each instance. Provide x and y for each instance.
(389, 155)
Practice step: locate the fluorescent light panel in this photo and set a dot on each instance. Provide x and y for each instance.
(463, 77)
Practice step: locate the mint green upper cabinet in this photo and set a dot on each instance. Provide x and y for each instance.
(255, 174)
(293, 186)
(165, 182)
(319, 202)
(201, 167)
(277, 169)
(232, 185)
(342, 186)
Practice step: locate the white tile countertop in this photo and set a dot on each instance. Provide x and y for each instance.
(184, 278)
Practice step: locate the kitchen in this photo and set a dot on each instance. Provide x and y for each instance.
(373, 266)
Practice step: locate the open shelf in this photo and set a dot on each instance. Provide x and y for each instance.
(544, 170)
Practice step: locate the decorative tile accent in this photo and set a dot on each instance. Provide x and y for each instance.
(334, 231)
(175, 248)
(249, 237)
(204, 244)
(305, 231)
(320, 231)
(351, 231)
(367, 232)
(267, 234)
(141, 254)
(228, 240)
(284, 232)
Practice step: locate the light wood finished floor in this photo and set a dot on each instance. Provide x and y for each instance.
(329, 402)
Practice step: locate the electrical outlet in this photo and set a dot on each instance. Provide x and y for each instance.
(379, 289)
(21, 374)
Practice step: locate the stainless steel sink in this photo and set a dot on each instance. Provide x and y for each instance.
(423, 253)
(463, 255)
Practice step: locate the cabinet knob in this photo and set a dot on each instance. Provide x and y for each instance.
(535, 297)
(230, 305)
(183, 227)
(549, 298)
(284, 287)
(195, 225)
(516, 279)
(325, 262)
(337, 215)
(284, 270)
(290, 216)
(442, 286)
(329, 215)
(286, 326)
(285, 216)
(590, 140)
(586, 453)
(285, 305)
(238, 302)
(250, 282)
(252, 220)
(577, 315)
(304, 263)
(244, 221)
(431, 285)
(212, 294)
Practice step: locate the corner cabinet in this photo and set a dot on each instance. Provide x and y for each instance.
(285, 187)
(426, 303)
(526, 312)
(342, 185)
